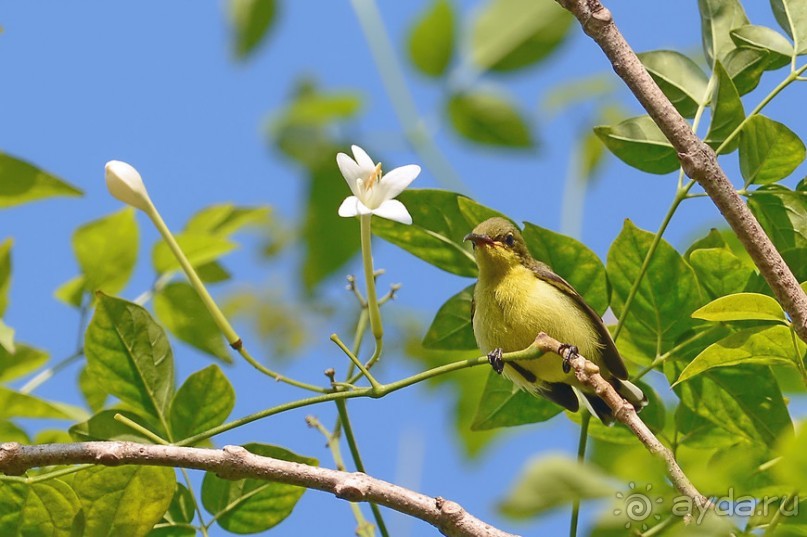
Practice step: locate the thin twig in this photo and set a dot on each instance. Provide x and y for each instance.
(589, 375)
(698, 160)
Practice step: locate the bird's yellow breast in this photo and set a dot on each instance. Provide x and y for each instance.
(513, 305)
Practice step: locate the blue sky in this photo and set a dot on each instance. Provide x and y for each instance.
(155, 84)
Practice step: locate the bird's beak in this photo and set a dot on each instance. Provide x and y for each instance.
(478, 239)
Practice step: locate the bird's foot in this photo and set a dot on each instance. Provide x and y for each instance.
(567, 356)
(495, 360)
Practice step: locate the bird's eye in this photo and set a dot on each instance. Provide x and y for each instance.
(509, 239)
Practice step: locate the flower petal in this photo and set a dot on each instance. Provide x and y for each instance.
(350, 171)
(363, 159)
(352, 206)
(394, 210)
(394, 182)
(349, 207)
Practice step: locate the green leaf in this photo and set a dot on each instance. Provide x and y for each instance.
(104, 426)
(251, 21)
(11, 433)
(451, 328)
(225, 219)
(330, 241)
(681, 80)
(129, 355)
(792, 468)
(6, 338)
(718, 19)
(181, 310)
(639, 143)
(71, 292)
(252, 505)
(431, 39)
(745, 67)
(21, 182)
(699, 433)
(769, 151)
(489, 119)
(20, 405)
(741, 307)
(719, 271)
(436, 232)
(792, 17)
(783, 215)
(21, 362)
(5, 273)
(199, 248)
(504, 405)
(727, 111)
(125, 501)
(744, 400)
(41, 509)
(106, 250)
(502, 42)
(573, 261)
(753, 36)
(554, 481)
(182, 509)
(203, 401)
(94, 394)
(476, 213)
(763, 346)
(321, 109)
(668, 293)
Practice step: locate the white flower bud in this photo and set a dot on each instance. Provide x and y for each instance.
(126, 185)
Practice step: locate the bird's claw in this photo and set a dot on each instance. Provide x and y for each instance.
(495, 360)
(567, 356)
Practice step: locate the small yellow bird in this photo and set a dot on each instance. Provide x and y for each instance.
(515, 298)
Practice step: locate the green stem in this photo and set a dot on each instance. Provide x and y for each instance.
(341, 406)
(218, 317)
(392, 76)
(43, 477)
(196, 505)
(359, 392)
(663, 358)
(46, 374)
(365, 529)
(581, 457)
(154, 437)
(777, 517)
(369, 277)
(373, 382)
(680, 195)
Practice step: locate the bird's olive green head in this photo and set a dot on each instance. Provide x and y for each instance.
(497, 244)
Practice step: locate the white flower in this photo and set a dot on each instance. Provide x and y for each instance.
(126, 185)
(372, 192)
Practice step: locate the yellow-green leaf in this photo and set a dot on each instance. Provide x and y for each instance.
(21, 182)
(741, 307)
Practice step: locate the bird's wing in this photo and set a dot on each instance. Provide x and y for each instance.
(561, 394)
(610, 355)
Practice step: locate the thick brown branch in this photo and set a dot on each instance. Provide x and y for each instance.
(235, 462)
(697, 159)
(589, 374)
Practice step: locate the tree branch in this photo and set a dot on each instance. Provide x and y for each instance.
(589, 374)
(698, 160)
(235, 462)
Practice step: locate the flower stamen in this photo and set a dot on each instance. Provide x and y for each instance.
(374, 177)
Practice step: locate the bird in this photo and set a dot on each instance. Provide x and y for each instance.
(515, 298)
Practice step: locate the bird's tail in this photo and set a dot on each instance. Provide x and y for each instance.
(628, 390)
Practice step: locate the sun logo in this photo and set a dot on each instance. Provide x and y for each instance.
(638, 506)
